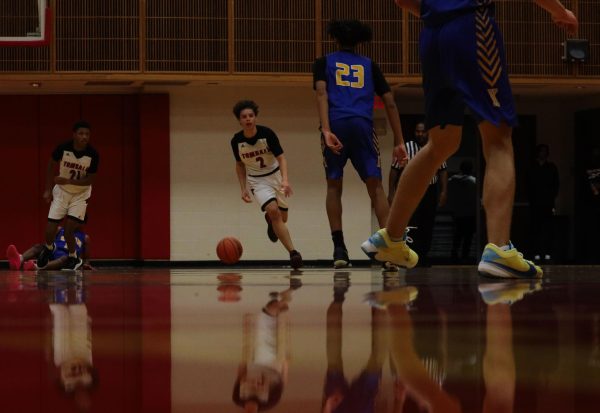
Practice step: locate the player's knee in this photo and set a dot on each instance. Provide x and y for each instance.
(273, 212)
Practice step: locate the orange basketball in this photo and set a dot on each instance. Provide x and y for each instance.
(229, 250)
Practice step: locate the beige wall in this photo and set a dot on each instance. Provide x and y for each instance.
(205, 197)
(205, 202)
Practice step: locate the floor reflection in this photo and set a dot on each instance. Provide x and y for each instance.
(435, 340)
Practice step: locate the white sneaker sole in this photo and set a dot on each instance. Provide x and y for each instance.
(487, 269)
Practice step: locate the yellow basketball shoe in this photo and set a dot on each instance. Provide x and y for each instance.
(381, 248)
(382, 299)
(496, 262)
(508, 292)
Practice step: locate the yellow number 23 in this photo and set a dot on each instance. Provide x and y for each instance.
(353, 76)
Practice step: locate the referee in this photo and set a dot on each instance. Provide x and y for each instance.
(424, 216)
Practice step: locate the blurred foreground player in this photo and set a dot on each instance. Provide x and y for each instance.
(463, 62)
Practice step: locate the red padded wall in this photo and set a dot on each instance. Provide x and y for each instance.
(155, 183)
(19, 172)
(30, 128)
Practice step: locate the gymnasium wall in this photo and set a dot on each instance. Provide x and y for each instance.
(205, 194)
(130, 197)
(205, 202)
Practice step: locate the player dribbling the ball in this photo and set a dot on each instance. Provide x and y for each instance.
(261, 169)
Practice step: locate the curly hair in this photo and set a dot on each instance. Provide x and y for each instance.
(245, 104)
(349, 33)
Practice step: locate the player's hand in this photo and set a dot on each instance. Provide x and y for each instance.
(286, 189)
(59, 180)
(567, 21)
(246, 196)
(332, 142)
(88, 267)
(47, 196)
(400, 154)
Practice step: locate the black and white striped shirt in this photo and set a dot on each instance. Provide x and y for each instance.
(412, 147)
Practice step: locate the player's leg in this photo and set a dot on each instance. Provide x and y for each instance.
(58, 210)
(55, 265)
(417, 174)
(378, 200)
(388, 244)
(279, 226)
(334, 173)
(77, 209)
(499, 181)
(500, 258)
(333, 203)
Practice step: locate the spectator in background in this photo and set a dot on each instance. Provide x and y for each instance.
(592, 200)
(462, 202)
(543, 189)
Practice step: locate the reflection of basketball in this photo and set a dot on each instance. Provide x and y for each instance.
(229, 250)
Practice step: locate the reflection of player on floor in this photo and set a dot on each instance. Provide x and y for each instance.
(78, 164)
(262, 168)
(72, 342)
(58, 258)
(338, 395)
(463, 65)
(346, 84)
(262, 374)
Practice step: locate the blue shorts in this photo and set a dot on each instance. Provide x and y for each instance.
(464, 65)
(361, 146)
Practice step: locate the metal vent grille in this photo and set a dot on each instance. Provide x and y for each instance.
(97, 35)
(274, 36)
(186, 36)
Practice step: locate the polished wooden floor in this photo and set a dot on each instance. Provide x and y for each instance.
(439, 339)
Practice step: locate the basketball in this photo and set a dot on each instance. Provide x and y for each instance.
(229, 250)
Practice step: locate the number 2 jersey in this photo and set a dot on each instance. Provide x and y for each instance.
(75, 164)
(352, 82)
(258, 153)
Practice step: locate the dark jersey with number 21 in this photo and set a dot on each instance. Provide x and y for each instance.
(75, 164)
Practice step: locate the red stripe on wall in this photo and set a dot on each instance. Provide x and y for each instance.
(155, 180)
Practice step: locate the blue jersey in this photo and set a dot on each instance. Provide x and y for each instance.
(61, 245)
(434, 12)
(352, 81)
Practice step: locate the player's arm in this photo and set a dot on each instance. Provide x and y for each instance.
(88, 180)
(320, 86)
(283, 168)
(561, 16)
(413, 6)
(240, 170)
(50, 171)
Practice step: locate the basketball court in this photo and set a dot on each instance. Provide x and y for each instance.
(172, 340)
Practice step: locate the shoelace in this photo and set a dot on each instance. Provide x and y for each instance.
(406, 237)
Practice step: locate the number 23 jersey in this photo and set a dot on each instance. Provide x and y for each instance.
(352, 82)
(75, 164)
(258, 153)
